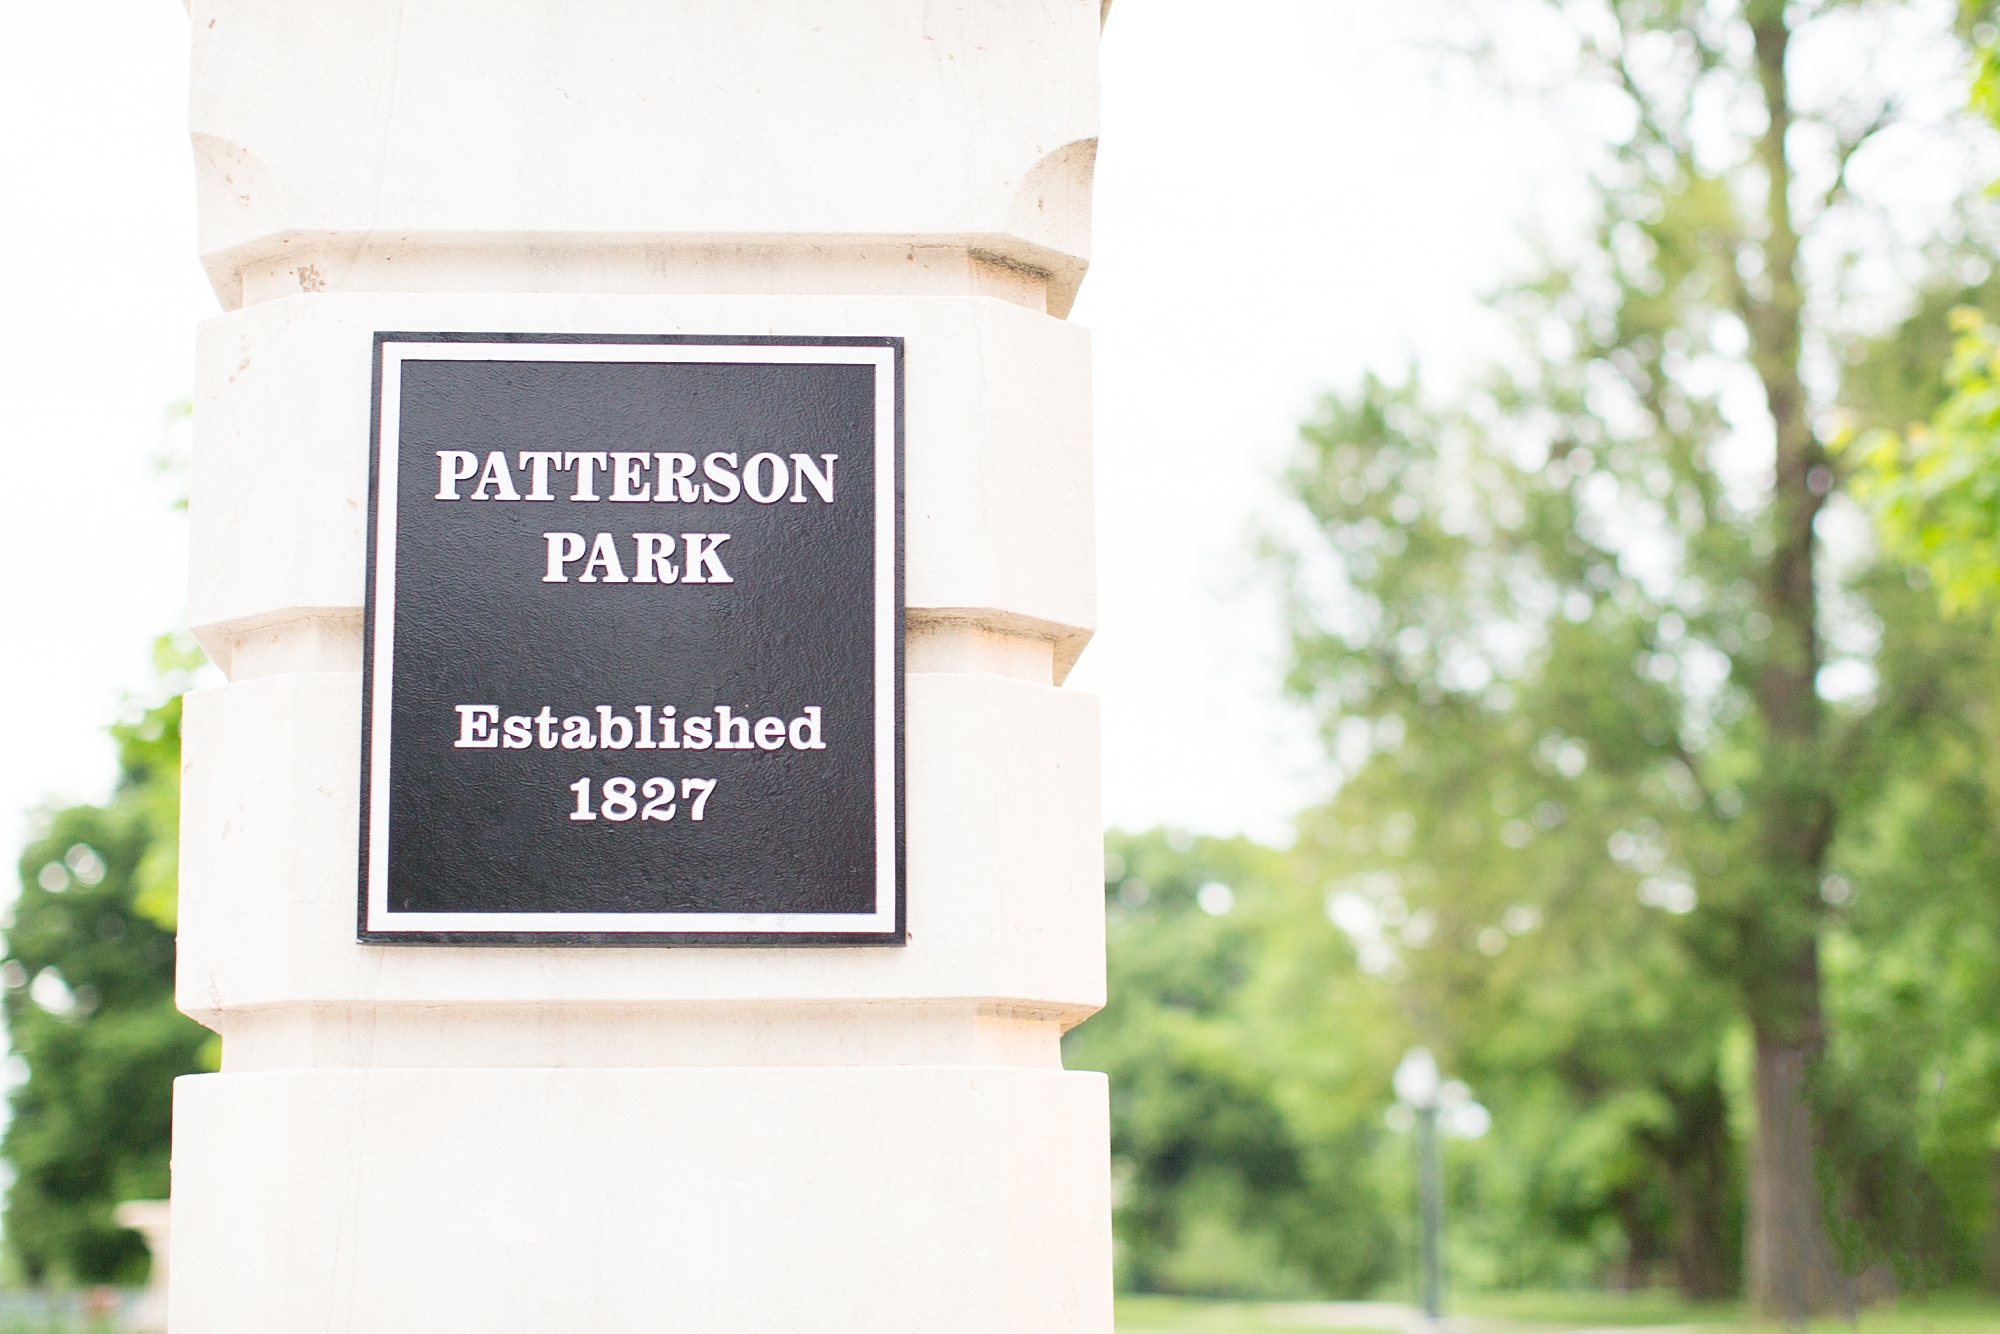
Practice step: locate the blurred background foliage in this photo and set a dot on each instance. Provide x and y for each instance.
(1667, 781)
(1250, 1055)
(89, 978)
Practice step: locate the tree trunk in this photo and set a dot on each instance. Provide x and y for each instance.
(1788, 1256)
(1635, 1272)
(1698, 1184)
(1791, 1269)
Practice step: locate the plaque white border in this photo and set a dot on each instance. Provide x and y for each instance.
(380, 917)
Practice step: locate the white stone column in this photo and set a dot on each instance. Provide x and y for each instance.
(502, 1139)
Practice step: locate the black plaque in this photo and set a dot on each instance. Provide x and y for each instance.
(633, 672)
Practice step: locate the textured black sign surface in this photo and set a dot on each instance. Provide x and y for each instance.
(633, 669)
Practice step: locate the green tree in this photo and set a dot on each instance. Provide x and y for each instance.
(1247, 1084)
(1514, 854)
(89, 970)
(1934, 487)
(1598, 647)
(1912, 1078)
(1925, 458)
(1932, 477)
(1909, 1086)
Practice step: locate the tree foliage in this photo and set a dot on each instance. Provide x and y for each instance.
(1931, 484)
(1534, 866)
(1935, 487)
(1607, 671)
(1246, 1083)
(89, 971)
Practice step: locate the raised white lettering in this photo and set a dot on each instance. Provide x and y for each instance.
(496, 475)
(690, 786)
(537, 462)
(586, 482)
(724, 728)
(614, 733)
(618, 801)
(563, 548)
(476, 726)
(659, 793)
(625, 470)
(728, 730)
(703, 559)
(676, 478)
(805, 731)
(803, 471)
(720, 468)
(454, 466)
(766, 494)
(603, 556)
(651, 559)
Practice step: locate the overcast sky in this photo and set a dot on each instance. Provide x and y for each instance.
(1281, 204)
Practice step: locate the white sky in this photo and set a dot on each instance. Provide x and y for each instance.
(101, 293)
(1281, 203)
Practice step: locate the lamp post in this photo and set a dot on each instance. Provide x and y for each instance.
(1419, 1087)
(1433, 1106)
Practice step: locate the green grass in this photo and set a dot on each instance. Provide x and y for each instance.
(1949, 1314)
(1522, 1312)
(1173, 1315)
(1600, 1309)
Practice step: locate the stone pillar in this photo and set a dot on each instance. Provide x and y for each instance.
(490, 1139)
